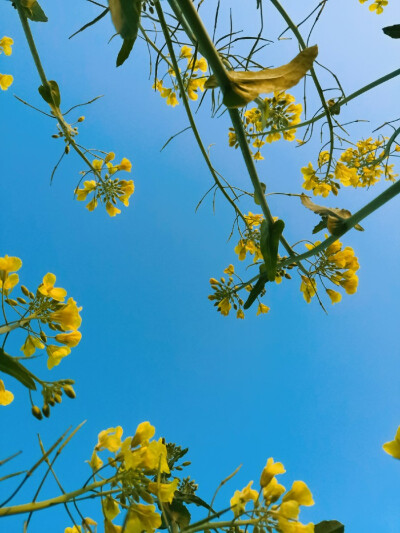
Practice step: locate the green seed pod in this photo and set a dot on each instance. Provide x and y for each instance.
(37, 412)
(46, 410)
(69, 391)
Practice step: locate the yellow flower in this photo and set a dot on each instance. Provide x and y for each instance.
(350, 284)
(257, 156)
(30, 345)
(300, 493)
(91, 206)
(56, 353)
(142, 518)
(47, 288)
(308, 287)
(109, 157)
(229, 270)
(144, 432)
(112, 210)
(69, 339)
(74, 529)
(270, 470)
(5, 81)
(164, 491)
(241, 497)
(110, 508)
(154, 456)
(127, 188)
(241, 250)
(323, 189)
(88, 187)
(95, 462)
(392, 447)
(224, 306)
(110, 439)
(5, 45)
(109, 527)
(68, 316)
(200, 64)
(172, 99)
(253, 220)
(125, 165)
(186, 52)
(273, 491)
(6, 397)
(262, 309)
(240, 314)
(9, 264)
(334, 296)
(8, 285)
(97, 164)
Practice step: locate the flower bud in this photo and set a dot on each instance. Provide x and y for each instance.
(57, 398)
(69, 391)
(46, 410)
(81, 119)
(21, 300)
(11, 302)
(25, 290)
(36, 412)
(43, 336)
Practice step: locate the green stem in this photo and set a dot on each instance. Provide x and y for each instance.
(55, 109)
(6, 328)
(189, 112)
(45, 504)
(188, 10)
(218, 525)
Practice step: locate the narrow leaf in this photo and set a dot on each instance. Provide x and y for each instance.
(269, 244)
(125, 15)
(255, 291)
(392, 31)
(320, 226)
(13, 368)
(246, 86)
(124, 52)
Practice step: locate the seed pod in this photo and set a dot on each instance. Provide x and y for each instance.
(37, 412)
(25, 290)
(46, 410)
(69, 391)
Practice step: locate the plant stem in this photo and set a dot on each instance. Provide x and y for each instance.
(6, 328)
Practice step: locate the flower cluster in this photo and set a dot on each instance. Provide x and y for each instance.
(104, 188)
(335, 264)
(275, 507)
(143, 473)
(393, 447)
(192, 81)
(5, 48)
(275, 113)
(46, 306)
(361, 165)
(376, 6)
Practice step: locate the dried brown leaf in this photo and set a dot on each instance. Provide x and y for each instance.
(246, 85)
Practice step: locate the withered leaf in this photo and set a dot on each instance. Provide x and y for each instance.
(245, 86)
(333, 216)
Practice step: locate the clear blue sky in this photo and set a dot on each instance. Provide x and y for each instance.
(319, 393)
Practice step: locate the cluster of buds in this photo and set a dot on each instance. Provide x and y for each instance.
(105, 188)
(72, 132)
(52, 394)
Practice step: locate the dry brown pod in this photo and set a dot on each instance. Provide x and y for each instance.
(246, 85)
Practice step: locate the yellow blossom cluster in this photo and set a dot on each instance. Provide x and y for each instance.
(193, 81)
(377, 5)
(143, 471)
(5, 48)
(104, 188)
(335, 264)
(275, 113)
(393, 447)
(281, 516)
(47, 306)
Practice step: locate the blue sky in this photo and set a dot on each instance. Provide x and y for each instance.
(319, 393)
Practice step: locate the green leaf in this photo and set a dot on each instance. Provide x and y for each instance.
(36, 13)
(50, 93)
(321, 225)
(329, 526)
(269, 244)
(13, 368)
(179, 514)
(392, 31)
(125, 51)
(255, 291)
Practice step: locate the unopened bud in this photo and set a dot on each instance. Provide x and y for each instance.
(57, 398)
(186, 463)
(81, 119)
(69, 391)
(67, 149)
(288, 276)
(43, 336)
(46, 410)
(31, 295)
(51, 402)
(11, 302)
(21, 300)
(37, 412)
(52, 326)
(55, 136)
(25, 290)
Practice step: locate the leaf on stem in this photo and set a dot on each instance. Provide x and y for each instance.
(125, 15)
(50, 93)
(329, 526)
(255, 291)
(245, 86)
(33, 11)
(333, 218)
(269, 244)
(13, 368)
(392, 31)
